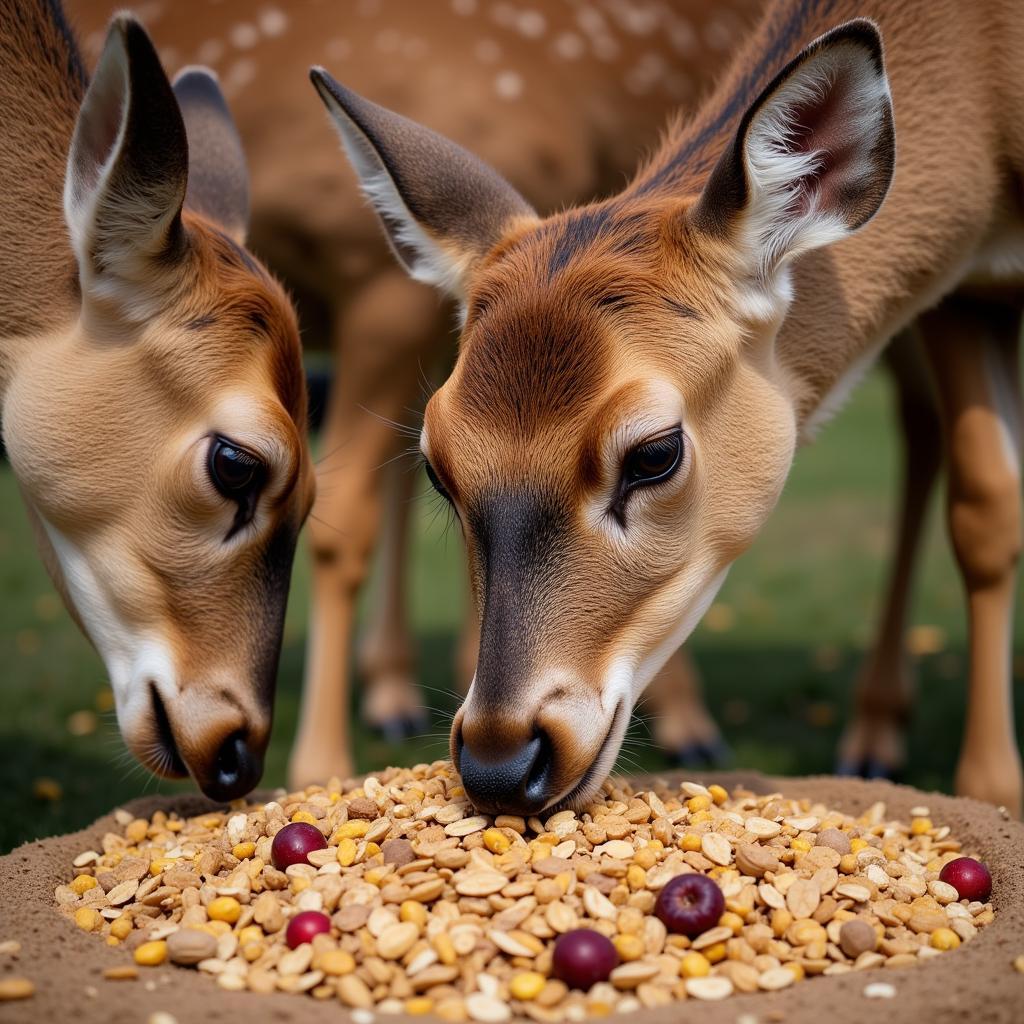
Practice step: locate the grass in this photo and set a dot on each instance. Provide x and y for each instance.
(799, 613)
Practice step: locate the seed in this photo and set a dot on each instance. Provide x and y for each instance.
(597, 905)
(879, 990)
(716, 848)
(526, 985)
(224, 908)
(466, 826)
(694, 965)
(353, 991)
(776, 978)
(710, 988)
(88, 919)
(802, 898)
(856, 937)
(151, 954)
(496, 841)
(628, 976)
(762, 827)
(853, 891)
(945, 938)
(486, 1009)
(188, 946)
(479, 883)
(16, 988)
(754, 860)
(396, 940)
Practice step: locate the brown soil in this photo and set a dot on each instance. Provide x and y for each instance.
(975, 983)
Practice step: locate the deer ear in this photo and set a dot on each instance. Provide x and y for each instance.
(218, 180)
(441, 208)
(126, 175)
(813, 157)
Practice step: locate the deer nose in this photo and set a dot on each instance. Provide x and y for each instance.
(236, 769)
(518, 784)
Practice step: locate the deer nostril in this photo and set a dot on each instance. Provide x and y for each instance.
(236, 770)
(521, 784)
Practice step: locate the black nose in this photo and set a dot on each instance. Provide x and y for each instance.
(520, 784)
(236, 770)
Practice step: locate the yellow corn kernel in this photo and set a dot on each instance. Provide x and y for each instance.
(527, 985)
(305, 816)
(372, 849)
(82, 884)
(224, 908)
(694, 965)
(656, 845)
(251, 933)
(300, 883)
(419, 1005)
(160, 865)
(414, 911)
(700, 816)
(645, 857)
(800, 845)
(715, 953)
(892, 852)
(496, 841)
(731, 921)
(113, 940)
(945, 938)
(690, 843)
(858, 844)
(336, 962)
(216, 928)
(347, 850)
(151, 954)
(781, 920)
(698, 803)
(355, 829)
(414, 795)
(243, 851)
(636, 877)
(456, 791)
(797, 970)
(210, 821)
(718, 793)
(121, 927)
(848, 863)
(630, 947)
(376, 875)
(136, 830)
(88, 919)
(252, 951)
(921, 826)
(444, 948)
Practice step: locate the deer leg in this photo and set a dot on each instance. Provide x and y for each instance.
(973, 349)
(683, 726)
(392, 702)
(380, 342)
(874, 742)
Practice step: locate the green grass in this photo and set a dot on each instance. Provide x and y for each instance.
(804, 599)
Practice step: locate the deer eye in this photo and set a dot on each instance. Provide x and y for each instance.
(653, 461)
(435, 481)
(238, 476)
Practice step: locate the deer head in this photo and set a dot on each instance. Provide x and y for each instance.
(617, 426)
(159, 438)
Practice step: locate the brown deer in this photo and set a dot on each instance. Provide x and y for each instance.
(634, 375)
(152, 390)
(562, 99)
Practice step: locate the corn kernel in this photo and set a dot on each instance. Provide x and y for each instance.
(336, 962)
(694, 965)
(716, 953)
(88, 919)
(113, 940)
(419, 1005)
(252, 951)
(636, 877)
(698, 803)
(848, 863)
(527, 985)
(800, 845)
(731, 921)
(700, 816)
(797, 970)
(945, 938)
(718, 794)
(456, 791)
(251, 933)
(690, 843)
(347, 850)
(645, 857)
(354, 829)
(82, 884)
(300, 883)
(243, 851)
(444, 948)
(305, 816)
(136, 831)
(121, 927)
(224, 908)
(656, 845)
(160, 865)
(151, 954)
(858, 844)
(414, 911)
(372, 849)
(376, 875)
(921, 826)
(496, 841)
(630, 947)
(781, 920)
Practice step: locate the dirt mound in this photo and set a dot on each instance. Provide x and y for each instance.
(975, 983)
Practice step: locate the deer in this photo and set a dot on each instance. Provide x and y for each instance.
(152, 390)
(634, 375)
(605, 76)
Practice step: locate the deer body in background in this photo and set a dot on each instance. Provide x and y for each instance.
(634, 375)
(562, 99)
(152, 391)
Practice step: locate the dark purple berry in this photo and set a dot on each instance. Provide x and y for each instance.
(969, 877)
(690, 904)
(294, 843)
(305, 927)
(583, 957)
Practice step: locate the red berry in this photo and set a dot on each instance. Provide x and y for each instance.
(305, 927)
(294, 843)
(969, 877)
(690, 904)
(582, 958)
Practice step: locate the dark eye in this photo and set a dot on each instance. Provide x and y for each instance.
(654, 460)
(239, 476)
(435, 481)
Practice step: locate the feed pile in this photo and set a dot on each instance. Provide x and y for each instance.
(410, 902)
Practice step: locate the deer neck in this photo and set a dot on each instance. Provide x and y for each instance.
(41, 90)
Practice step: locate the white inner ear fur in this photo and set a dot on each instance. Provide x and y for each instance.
(786, 214)
(423, 257)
